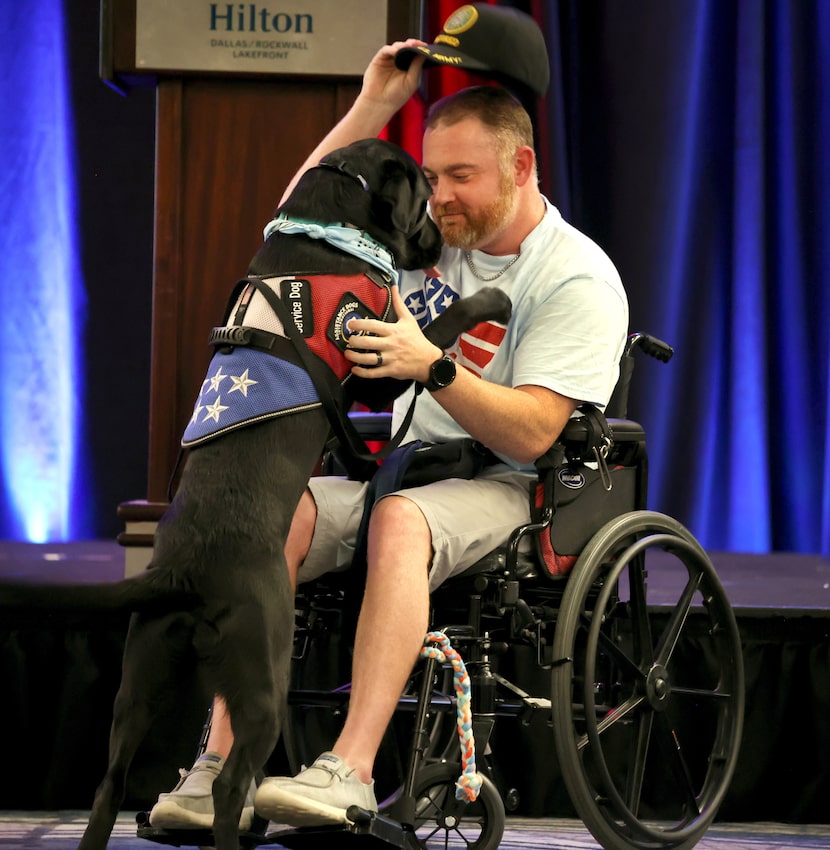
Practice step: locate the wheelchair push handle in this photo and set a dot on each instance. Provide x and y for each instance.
(650, 345)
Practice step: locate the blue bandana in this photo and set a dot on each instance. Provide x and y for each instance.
(246, 386)
(345, 238)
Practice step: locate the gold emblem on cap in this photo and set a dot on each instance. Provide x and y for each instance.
(447, 39)
(460, 20)
(447, 60)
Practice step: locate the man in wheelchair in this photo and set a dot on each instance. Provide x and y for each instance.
(510, 388)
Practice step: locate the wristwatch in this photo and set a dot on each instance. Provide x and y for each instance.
(441, 374)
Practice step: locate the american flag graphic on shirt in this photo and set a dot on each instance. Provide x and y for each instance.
(476, 347)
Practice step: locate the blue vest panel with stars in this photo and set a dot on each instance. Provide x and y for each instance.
(245, 386)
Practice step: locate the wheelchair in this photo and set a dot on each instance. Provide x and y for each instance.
(630, 697)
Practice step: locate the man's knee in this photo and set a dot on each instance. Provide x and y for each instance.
(399, 512)
(398, 526)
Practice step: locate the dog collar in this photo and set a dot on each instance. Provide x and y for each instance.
(348, 239)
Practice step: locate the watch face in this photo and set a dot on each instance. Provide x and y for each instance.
(443, 371)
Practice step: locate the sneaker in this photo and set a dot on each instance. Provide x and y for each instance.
(318, 795)
(190, 803)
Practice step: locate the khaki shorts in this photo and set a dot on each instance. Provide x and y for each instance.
(467, 519)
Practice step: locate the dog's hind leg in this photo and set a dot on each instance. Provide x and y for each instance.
(126, 733)
(146, 675)
(256, 730)
(255, 737)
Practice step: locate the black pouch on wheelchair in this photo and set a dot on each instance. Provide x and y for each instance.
(582, 505)
(461, 458)
(585, 493)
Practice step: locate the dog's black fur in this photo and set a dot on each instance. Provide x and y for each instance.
(217, 594)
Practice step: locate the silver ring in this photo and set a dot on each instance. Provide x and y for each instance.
(380, 359)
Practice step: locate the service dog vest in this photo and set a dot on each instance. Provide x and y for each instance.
(255, 373)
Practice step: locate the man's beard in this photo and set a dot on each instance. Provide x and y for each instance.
(478, 226)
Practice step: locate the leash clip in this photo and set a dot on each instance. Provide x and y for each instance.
(601, 456)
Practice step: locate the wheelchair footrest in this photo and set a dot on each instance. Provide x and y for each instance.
(365, 830)
(195, 837)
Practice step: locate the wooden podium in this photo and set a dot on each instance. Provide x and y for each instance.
(227, 143)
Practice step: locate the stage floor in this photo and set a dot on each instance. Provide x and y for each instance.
(782, 602)
(781, 582)
(62, 830)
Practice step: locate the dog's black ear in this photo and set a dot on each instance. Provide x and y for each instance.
(398, 193)
(423, 248)
(402, 195)
(402, 199)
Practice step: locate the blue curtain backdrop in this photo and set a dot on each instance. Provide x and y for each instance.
(692, 140)
(41, 293)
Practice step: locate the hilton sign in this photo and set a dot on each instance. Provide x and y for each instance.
(325, 37)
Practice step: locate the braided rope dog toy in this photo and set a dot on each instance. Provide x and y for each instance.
(469, 783)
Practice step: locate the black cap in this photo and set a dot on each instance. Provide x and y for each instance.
(494, 41)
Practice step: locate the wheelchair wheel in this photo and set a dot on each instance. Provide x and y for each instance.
(441, 821)
(647, 698)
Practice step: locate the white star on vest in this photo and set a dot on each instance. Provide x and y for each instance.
(214, 410)
(217, 379)
(241, 383)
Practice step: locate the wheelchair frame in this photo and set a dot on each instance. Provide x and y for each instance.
(636, 684)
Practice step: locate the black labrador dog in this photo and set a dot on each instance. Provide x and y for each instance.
(217, 595)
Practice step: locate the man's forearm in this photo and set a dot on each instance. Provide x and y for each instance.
(520, 423)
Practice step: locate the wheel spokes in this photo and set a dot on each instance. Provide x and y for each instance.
(637, 767)
(670, 744)
(671, 634)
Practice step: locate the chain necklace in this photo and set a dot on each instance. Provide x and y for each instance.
(469, 258)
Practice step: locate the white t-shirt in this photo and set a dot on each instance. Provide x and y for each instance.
(566, 333)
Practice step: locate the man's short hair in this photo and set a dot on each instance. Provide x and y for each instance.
(495, 107)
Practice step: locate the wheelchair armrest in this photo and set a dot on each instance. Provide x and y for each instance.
(577, 437)
(578, 430)
(626, 431)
